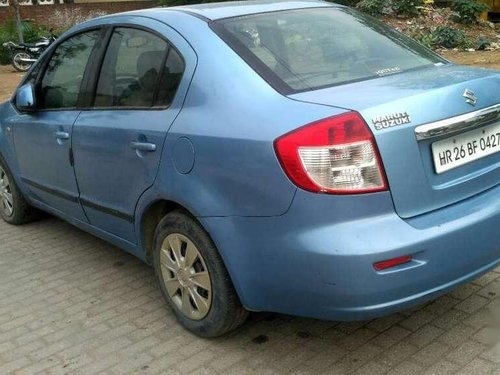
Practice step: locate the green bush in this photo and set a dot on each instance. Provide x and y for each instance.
(468, 10)
(442, 36)
(373, 7)
(447, 37)
(406, 7)
(7, 32)
(425, 38)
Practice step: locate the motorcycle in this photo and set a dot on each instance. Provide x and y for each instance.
(25, 54)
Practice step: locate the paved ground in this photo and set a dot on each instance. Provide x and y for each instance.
(70, 303)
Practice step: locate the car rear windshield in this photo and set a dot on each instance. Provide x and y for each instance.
(306, 49)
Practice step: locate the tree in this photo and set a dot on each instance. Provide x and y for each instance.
(19, 25)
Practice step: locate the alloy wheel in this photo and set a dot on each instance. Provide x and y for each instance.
(6, 199)
(186, 276)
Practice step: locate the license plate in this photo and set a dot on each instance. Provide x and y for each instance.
(464, 148)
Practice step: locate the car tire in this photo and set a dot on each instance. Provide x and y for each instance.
(193, 278)
(14, 209)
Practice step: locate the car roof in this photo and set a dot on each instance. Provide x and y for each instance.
(215, 11)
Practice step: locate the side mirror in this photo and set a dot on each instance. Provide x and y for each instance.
(25, 98)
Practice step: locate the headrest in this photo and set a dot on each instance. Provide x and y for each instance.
(148, 68)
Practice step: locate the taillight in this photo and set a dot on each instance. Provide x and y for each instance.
(337, 155)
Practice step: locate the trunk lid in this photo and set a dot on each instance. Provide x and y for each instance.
(426, 95)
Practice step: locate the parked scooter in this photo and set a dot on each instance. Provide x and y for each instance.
(25, 54)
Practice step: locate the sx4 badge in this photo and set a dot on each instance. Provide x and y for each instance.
(391, 120)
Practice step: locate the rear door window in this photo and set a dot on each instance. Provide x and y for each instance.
(140, 70)
(313, 48)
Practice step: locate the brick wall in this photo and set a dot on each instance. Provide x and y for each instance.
(45, 14)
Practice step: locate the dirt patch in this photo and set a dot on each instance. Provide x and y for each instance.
(9, 79)
(486, 59)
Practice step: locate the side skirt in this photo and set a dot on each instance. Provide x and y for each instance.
(106, 236)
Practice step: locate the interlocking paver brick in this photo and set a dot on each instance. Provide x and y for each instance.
(443, 367)
(371, 368)
(441, 305)
(457, 334)
(385, 322)
(407, 368)
(466, 352)
(472, 303)
(431, 353)
(417, 320)
(477, 366)
(424, 335)
(488, 335)
(490, 290)
(356, 339)
(391, 336)
(450, 318)
(493, 354)
(464, 291)
(479, 319)
(394, 355)
(13, 365)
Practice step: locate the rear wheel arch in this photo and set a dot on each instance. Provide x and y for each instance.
(151, 217)
(149, 221)
(2, 159)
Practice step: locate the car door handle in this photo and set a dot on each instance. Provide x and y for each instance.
(143, 146)
(61, 135)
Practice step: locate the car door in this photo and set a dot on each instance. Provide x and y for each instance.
(118, 143)
(43, 137)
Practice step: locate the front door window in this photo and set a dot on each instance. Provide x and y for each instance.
(60, 85)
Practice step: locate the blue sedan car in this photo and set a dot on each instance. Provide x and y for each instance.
(295, 157)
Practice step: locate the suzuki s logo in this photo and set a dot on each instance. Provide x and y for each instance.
(470, 97)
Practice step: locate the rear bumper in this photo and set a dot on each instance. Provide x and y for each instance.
(316, 260)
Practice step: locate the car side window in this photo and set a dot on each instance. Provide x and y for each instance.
(140, 70)
(60, 85)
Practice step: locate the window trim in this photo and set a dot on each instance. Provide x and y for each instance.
(93, 83)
